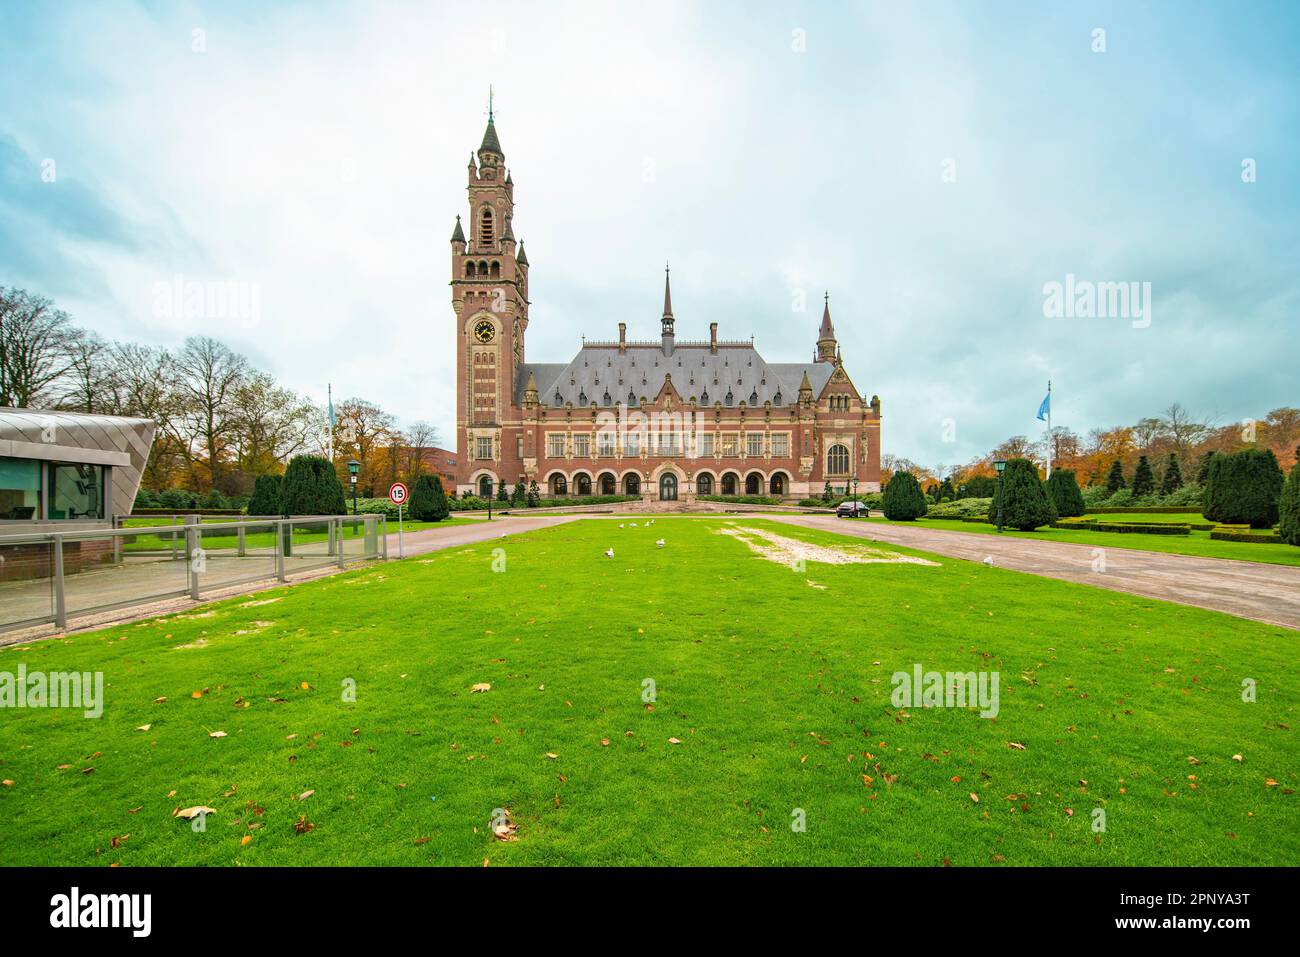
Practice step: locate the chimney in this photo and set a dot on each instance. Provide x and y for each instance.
(713, 337)
(622, 337)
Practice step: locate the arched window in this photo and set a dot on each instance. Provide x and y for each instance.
(469, 270)
(777, 484)
(583, 484)
(837, 460)
(632, 484)
(729, 484)
(496, 269)
(608, 484)
(482, 271)
(559, 485)
(753, 483)
(485, 486)
(704, 484)
(485, 227)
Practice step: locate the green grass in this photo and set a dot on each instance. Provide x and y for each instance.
(302, 534)
(1194, 543)
(778, 691)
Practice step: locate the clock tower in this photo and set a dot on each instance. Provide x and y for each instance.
(489, 297)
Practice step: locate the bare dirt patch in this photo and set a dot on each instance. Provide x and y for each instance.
(793, 553)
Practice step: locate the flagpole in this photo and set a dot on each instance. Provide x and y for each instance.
(1049, 428)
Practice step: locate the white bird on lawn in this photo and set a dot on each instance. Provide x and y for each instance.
(609, 553)
(988, 560)
(620, 524)
(660, 543)
(633, 524)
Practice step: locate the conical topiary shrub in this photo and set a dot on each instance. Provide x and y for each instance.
(1025, 505)
(1063, 490)
(1144, 480)
(1288, 508)
(1173, 479)
(428, 500)
(1115, 479)
(903, 501)
(1243, 488)
(266, 496)
(311, 487)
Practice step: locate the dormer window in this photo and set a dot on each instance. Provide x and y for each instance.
(582, 398)
(776, 399)
(607, 398)
(730, 399)
(753, 397)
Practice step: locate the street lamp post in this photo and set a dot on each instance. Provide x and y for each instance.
(354, 467)
(489, 498)
(1000, 465)
(855, 496)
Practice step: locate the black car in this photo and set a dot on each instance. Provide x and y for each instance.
(852, 509)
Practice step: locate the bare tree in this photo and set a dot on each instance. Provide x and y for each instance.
(90, 383)
(209, 376)
(271, 424)
(34, 340)
(1183, 431)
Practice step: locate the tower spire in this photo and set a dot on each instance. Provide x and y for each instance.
(667, 323)
(826, 344)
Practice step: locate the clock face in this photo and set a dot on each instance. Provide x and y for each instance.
(484, 331)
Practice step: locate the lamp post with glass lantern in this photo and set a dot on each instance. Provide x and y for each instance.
(354, 467)
(1000, 465)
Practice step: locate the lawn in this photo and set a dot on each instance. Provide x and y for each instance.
(772, 696)
(1194, 543)
(302, 534)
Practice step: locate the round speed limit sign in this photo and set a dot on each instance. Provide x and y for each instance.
(397, 494)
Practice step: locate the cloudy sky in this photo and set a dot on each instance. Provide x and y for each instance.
(932, 165)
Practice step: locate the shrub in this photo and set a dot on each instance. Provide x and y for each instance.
(904, 500)
(1063, 489)
(978, 486)
(1115, 480)
(1288, 509)
(1241, 535)
(1156, 528)
(178, 498)
(311, 487)
(1173, 479)
(144, 499)
(1144, 480)
(1122, 497)
(428, 500)
(1095, 495)
(1025, 505)
(266, 496)
(1203, 467)
(747, 499)
(826, 492)
(534, 496)
(503, 494)
(1244, 488)
(520, 494)
(961, 508)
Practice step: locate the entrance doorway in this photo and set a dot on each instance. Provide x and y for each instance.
(668, 487)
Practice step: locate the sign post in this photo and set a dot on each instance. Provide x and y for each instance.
(397, 495)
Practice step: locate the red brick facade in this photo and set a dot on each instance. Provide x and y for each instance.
(663, 419)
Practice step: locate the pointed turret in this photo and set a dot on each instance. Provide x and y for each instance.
(522, 259)
(458, 234)
(826, 345)
(805, 390)
(530, 390)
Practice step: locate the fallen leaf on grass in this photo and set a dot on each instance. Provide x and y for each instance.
(7, 783)
(674, 741)
(160, 700)
(305, 795)
(481, 686)
(216, 734)
(245, 840)
(188, 813)
(302, 825)
(974, 797)
(1015, 746)
(144, 727)
(1237, 757)
(552, 755)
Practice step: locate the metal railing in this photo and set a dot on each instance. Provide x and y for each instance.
(49, 577)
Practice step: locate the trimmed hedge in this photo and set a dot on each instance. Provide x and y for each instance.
(150, 512)
(1288, 507)
(1162, 528)
(742, 499)
(1227, 535)
(472, 503)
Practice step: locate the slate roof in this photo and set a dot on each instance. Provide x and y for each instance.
(640, 370)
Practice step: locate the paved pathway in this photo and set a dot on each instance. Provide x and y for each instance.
(436, 539)
(1269, 593)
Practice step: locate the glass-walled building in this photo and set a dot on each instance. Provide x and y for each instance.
(69, 469)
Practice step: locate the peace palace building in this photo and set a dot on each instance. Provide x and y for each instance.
(663, 419)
